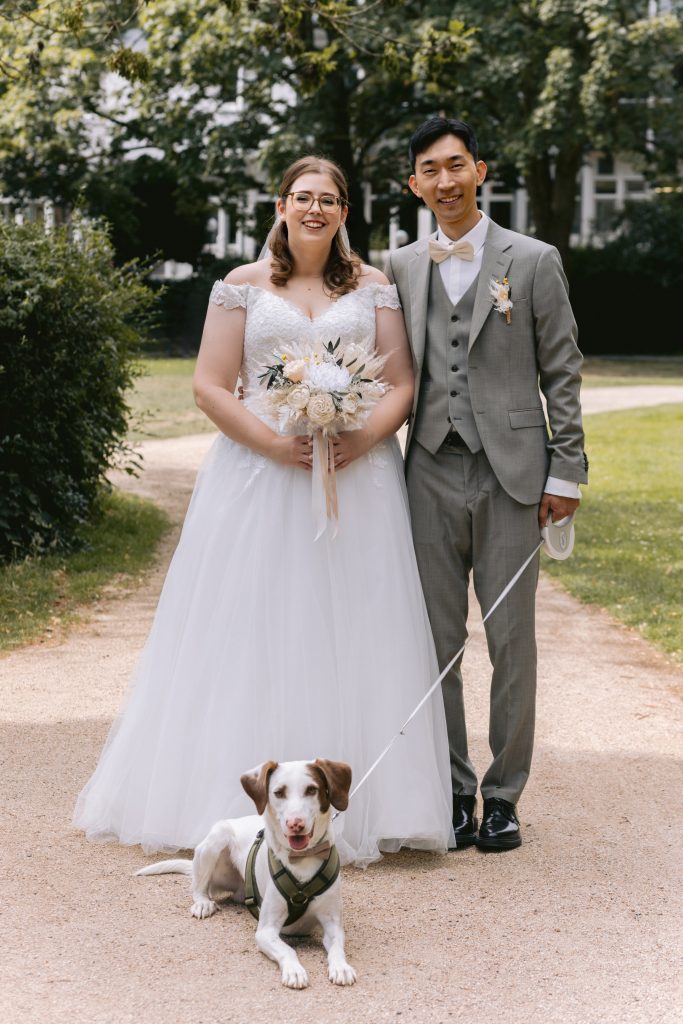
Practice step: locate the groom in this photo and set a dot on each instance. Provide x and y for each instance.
(483, 471)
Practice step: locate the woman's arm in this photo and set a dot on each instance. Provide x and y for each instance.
(393, 409)
(214, 382)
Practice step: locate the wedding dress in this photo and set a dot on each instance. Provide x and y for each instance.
(269, 644)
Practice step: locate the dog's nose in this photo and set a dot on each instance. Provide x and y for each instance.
(295, 824)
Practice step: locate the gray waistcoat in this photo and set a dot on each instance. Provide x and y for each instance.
(444, 390)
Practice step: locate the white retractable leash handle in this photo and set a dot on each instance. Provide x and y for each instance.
(558, 537)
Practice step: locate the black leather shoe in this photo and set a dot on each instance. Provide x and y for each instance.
(464, 822)
(499, 826)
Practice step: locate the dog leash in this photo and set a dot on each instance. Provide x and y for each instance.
(437, 682)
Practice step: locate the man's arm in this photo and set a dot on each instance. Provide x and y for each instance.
(559, 361)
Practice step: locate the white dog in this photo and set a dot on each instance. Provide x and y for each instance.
(291, 880)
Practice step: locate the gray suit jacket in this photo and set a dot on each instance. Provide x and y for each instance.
(507, 362)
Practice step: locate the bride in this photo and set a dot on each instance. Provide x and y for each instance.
(268, 643)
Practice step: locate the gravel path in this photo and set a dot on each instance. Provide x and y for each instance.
(580, 926)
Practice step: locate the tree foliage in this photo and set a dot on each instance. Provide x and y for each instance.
(546, 81)
(221, 90)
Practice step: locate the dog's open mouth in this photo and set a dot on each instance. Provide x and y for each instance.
(299, 842)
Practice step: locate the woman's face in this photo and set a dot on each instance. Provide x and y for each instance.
(311, 211)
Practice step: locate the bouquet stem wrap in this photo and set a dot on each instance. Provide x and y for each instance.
(324, 485)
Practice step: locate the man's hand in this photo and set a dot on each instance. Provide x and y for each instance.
(557, 506)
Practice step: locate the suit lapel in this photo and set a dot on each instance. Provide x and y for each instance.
(419, 297)
(495, 263)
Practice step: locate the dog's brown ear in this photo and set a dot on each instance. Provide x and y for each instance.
(337, 776)
(255, 783)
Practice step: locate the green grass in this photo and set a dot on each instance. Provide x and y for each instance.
(628, 557)
(600, 373)
(40, 596)
(162, 401)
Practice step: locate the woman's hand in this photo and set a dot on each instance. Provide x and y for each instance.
(350, 445)
(296, 450)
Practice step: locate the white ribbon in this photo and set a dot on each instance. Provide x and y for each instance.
(324, 485)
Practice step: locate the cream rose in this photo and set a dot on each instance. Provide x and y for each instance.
(295, 370)
(321, 410)
(298, 397)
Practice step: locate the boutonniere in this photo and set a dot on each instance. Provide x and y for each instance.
(500, 293)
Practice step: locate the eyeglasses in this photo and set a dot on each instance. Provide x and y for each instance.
(304, 201)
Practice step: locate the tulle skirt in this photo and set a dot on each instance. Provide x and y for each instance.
(268, 644)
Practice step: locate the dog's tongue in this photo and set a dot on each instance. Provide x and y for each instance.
(298, 842)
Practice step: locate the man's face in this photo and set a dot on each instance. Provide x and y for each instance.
(446, 179)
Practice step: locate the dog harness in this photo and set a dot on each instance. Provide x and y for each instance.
(298, 895)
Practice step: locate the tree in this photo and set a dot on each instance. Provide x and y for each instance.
(70, 128)
(220, 91)
(544, 81)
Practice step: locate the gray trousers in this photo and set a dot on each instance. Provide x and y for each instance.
(464, 521)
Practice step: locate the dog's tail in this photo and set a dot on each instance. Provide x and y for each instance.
(168, 867)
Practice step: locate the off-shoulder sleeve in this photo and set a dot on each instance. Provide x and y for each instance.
(229, 295)
(386, 295)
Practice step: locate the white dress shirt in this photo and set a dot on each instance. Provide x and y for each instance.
(457, 276)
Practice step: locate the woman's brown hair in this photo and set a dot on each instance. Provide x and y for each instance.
(342, 269)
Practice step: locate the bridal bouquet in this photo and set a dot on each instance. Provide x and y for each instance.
(326, 387)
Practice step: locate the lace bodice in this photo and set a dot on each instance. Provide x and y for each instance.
(272, 320)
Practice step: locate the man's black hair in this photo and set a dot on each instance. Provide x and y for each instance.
(433, 129)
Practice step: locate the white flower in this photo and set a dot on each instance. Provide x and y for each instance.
(299, 396)
(349, 404)
(321, 410)
(295, 370)
(500, 293)
(373, 390)
(327, 376)
(354, 356)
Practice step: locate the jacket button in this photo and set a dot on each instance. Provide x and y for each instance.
(455, 317)
(454, 394)
(454, 369)
(454, 344)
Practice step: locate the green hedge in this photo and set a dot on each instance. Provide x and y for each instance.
(182, 309)
(71, 325)
(626, 296)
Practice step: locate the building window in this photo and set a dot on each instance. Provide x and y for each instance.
(605, 164)
(605, 213)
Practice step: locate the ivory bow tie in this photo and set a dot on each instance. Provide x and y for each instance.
(440, 252)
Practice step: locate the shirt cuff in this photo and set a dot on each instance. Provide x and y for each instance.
(562, 488)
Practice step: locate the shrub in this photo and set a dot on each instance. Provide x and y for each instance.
(626, 296)
(71, 324)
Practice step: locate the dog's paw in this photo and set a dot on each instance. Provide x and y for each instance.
(203, 907)
(341, 974)
(294, 976)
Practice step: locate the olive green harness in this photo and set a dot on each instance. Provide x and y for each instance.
(298, 895)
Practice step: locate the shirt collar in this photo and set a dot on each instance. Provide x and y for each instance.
(476, 236)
